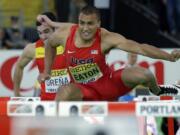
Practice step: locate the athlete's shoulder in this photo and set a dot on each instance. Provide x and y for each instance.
(30, 46)
(29, 50)
(104, 32)
(109, 35)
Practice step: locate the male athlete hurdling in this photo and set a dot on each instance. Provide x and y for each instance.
(85, 46)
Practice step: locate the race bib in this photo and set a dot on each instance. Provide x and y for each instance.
(58, 78)
(85, 73)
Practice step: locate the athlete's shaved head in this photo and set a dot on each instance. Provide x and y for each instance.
(88, 10)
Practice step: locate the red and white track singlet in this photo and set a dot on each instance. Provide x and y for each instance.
(90, 72)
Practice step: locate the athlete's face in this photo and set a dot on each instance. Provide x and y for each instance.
(44, 31)
(88, 25)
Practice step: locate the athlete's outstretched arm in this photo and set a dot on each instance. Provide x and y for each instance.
(46, 21)
(27, 56)
(114, 40)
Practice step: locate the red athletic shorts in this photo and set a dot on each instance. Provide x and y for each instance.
(107, 88)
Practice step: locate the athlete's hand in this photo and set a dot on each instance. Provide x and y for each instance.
(42, 77)
(175, 55)
(43, 19)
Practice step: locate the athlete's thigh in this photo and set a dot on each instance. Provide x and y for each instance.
(69, 92)
(133, 75)
(119, 83)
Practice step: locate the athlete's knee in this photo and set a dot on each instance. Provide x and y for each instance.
(147, 76)
(69, 92)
